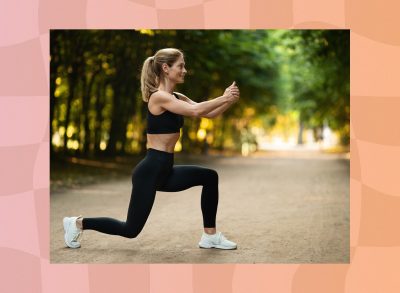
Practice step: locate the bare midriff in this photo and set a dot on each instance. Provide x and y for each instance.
(163, 142)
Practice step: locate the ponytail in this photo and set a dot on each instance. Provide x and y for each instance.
(148, 79)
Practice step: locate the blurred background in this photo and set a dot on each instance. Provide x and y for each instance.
(294, 87)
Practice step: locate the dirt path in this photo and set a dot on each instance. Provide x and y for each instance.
(279, 208)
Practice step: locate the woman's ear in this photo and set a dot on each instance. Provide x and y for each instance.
(165, 67)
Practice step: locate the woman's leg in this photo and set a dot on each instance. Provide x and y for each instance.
(185, 176)
(144, 181)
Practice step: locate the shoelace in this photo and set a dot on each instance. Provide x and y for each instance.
(219, 238)
(78, 236)
(222, 238)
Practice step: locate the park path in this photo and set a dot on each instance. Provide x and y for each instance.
(280, 207)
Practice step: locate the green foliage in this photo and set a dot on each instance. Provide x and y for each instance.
(319, 76)
(95, 82)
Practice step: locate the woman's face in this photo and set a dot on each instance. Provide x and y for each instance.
(177, 71)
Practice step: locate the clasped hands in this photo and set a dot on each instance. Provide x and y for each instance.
(232, 92)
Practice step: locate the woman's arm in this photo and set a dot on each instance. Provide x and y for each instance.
(218, 111)
(185, 98)
(181, 107)
(212, 114)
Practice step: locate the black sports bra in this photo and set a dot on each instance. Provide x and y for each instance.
(166, 122)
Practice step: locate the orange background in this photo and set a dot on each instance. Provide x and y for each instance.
(375, 145)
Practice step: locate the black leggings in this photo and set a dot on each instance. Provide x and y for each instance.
(156, 172)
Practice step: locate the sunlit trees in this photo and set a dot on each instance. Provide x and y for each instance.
(95, 103)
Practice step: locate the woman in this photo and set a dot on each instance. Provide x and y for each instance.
(156, 172)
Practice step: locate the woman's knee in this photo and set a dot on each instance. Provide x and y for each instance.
(212, 175)
(131, 235)
(132, 232)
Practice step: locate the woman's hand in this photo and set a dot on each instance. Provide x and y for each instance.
(232, 92)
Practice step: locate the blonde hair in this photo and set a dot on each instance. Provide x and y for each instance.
(152, 70)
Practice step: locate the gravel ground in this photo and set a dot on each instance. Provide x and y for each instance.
(280, 207)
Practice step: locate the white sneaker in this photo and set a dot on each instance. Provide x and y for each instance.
(216, 241)
(72, 232)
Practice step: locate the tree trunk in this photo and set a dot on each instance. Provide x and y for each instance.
(100, 94)
(300, 136)
(54, 51)
(115, 128)
(85, 110)
(71, 86)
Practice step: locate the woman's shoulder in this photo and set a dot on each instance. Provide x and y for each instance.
(157, 95)
(159, 98)
(162, 95)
